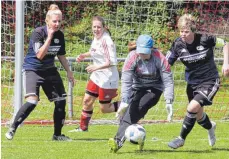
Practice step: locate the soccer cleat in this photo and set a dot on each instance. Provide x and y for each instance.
(176, 143)
(78, 130)
(211, 134)
(113, 145)
(10, 133)
(61, 138)
(141, 146)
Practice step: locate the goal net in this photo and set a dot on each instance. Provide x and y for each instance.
(126, 20)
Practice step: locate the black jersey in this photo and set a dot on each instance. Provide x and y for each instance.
(38, 37)
(198, 58)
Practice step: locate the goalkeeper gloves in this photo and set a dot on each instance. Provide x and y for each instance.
(121, 110)
(169, 108)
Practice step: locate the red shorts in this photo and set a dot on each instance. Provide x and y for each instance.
(105, 95)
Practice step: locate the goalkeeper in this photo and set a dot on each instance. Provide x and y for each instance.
(196, 52)
(39, 70)
(145, 74)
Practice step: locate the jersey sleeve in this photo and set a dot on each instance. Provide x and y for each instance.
(109, 50)
(210, 40)
(37, 40)
(127, 78)
(171, 55)
(167, 77)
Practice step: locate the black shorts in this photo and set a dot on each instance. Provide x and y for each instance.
(49, 80)
(203, 93)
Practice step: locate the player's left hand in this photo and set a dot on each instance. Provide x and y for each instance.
(121, 110)
(91, 68)
(71, 78)
(169, 108)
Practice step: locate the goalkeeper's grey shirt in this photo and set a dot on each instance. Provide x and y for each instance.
(146, 74)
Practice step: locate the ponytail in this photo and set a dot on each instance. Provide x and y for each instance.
(131, 45)
(53, 9)
(107, 30)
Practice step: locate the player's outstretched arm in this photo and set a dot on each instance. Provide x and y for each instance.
(225, 69)
(65, 64)
(81, 57)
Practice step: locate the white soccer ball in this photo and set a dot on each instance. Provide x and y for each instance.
(135, 134)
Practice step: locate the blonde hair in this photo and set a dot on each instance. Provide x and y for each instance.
(53, 9)
(187, 21)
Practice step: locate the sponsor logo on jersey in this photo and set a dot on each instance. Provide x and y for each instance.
(107, 96)
(195, 58)
(53, 50)
(183, 51)
(200, 48)
(56, 41)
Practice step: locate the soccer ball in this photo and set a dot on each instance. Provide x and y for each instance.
(135, 134)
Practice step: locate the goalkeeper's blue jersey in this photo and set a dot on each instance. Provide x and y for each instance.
(37, 40)
(198, 58)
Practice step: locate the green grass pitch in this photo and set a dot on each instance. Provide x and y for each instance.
(34, 142)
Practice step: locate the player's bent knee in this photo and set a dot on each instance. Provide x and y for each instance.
(29, 106)
(59, 110)
(60, 104)
(32, 99)
(104, 109)
(34, 102)
(193, 106)
(88, 103)
(105, 106)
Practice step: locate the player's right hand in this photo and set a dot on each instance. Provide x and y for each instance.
(51, 31)
(71, 78)
(121, 110)
(80, 58)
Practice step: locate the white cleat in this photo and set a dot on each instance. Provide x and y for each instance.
(176, 143)
(211, 134)
(10, 134)
(78, 130)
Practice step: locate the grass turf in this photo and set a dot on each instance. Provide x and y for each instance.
(32, 141)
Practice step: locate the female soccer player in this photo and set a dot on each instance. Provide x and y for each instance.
(145, 74)
(103, 83)
(46, 42)
(122, 108)
(196, 52)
